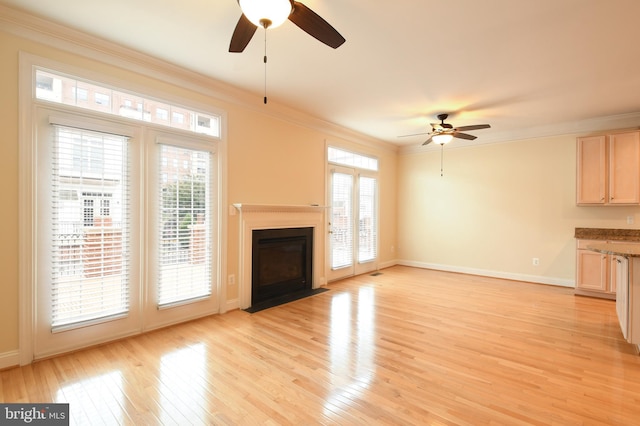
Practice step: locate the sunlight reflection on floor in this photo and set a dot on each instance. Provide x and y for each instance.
(352, 365)
(82, 396)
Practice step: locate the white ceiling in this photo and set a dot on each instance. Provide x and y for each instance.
(528, 68)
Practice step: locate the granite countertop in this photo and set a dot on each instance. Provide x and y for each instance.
(631, 235)
(617, 249)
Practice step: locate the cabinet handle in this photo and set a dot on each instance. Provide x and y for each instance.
(618, 260)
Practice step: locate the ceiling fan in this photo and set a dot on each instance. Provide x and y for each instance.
(272, 13)
(442, 132)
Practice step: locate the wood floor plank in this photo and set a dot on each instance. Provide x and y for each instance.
(409, 346)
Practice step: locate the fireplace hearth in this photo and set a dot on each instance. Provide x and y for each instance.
(282, 264)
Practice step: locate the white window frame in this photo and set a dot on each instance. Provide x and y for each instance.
(27, 172)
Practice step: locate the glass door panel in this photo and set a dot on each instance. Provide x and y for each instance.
(341, 228)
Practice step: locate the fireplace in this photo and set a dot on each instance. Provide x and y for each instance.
(257, 217)
(282, 263)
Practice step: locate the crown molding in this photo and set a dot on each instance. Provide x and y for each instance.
(42, 31)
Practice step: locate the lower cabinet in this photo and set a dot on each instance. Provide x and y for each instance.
(628, 302)
(622, 302)
(595, 272)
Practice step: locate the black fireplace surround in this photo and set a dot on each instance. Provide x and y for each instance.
(282, 263)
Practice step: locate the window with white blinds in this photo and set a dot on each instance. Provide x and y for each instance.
(185, 257)
(367, 232)
(90, 227)
(341, 220)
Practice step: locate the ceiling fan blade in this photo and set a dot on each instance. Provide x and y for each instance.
(428, 141)
(463, 136)
(415, 134)
(475, 127)
(315, 26)
(242, 35)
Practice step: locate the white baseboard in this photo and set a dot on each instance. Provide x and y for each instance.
(387, 264)
(538, 279)
(9, 359)
(232, 305)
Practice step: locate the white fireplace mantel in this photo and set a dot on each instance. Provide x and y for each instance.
(270, 216)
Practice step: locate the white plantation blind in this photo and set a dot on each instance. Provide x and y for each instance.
(341, 220)
(367, 233)
(90, 226)
(185, 257)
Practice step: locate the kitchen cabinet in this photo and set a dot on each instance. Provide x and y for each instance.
(596, 272)
(622, 303)
(627, 269)
(593, 271)
(591, 166)
(608, 169)
(628, 304)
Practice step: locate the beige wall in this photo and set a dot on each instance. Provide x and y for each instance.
(270, 160)
(9, 191)
(497, 207)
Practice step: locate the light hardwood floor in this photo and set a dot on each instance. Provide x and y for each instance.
(410, 346)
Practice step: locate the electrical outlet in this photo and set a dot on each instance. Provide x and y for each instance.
(629, 220)
(232, 279)
(535, 261)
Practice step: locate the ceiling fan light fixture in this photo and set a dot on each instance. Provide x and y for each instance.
(442, 138)
(266, 13)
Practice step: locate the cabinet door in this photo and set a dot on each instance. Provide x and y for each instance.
(592, 271)
(591, 170)
(613, 273)
(624, 168)
(622, 299)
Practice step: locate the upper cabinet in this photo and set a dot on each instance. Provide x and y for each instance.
(592, 170)
(624, 168)
(608, 169)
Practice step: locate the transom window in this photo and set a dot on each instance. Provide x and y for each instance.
(352, 159)
(56, 87)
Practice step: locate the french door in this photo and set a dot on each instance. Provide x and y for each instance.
(86, 277)
(353, 222)
(126, 235)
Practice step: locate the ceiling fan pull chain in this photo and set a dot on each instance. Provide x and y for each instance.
(441, 159)
(265, 66)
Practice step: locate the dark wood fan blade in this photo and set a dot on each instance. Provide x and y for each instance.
(242, 35)
(415, 134)
(315, 26)
(474, 127)
(428, 141)
(463, 136)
